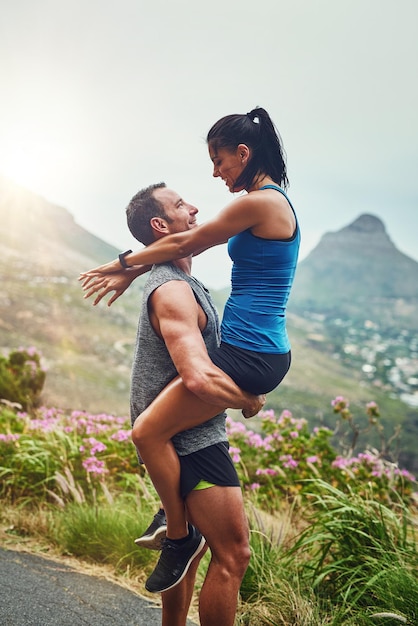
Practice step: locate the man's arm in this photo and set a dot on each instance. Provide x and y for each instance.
(179, 320)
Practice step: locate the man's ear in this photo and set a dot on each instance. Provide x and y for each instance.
(159, 225)
(244, 153)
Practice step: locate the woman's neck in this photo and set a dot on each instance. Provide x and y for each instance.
(261, 181)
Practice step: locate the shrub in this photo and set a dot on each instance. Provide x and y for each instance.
(22, 377)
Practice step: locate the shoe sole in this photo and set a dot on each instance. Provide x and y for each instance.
(199, 549)
(154, 541)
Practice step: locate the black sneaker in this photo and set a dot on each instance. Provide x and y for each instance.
(153, 537)
(174, 562)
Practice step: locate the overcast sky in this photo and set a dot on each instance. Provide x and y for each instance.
(100, 98)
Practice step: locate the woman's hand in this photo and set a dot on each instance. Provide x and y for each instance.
(94, 281)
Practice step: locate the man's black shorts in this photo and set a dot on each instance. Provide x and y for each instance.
(212, 464)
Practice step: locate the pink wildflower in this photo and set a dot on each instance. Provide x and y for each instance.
(121, 435)
(268, 415)
(235, 454)
(266, 472)
(341, 462)
(9, 438)
(372, 409)
(288, 461)
(255, 440)
(95, 446)
(267, 443)
(94, 466)
(405, 474)
(340, 405)
(233, 428)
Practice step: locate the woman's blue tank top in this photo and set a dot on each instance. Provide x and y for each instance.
(262, 275)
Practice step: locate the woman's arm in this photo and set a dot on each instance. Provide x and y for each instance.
(241, 214)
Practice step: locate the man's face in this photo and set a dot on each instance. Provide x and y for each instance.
(182, 214)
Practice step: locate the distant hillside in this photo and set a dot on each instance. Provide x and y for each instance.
(46, 235)
(358, 272)
(88, 351)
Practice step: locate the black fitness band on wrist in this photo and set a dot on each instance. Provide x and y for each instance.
(122, 259)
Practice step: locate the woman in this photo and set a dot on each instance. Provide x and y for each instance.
(263, 242)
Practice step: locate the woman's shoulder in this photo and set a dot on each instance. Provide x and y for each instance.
(273, 197)
(277, 215)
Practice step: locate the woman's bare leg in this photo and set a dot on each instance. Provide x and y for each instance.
(175, 409)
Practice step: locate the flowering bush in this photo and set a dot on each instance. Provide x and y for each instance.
(58, 454)
(22, 377)
(286, 454)
(38, 450)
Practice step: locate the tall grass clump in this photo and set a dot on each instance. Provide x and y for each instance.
(271, 594)
(104, 533)
(359, 556)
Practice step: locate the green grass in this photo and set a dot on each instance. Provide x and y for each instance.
(104, 534)
(359, 556)
(342, 561)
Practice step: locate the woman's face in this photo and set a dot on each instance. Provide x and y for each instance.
(228, 164)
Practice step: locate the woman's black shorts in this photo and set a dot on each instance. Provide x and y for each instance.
(254, 372)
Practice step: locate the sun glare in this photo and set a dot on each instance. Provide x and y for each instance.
(29, 160)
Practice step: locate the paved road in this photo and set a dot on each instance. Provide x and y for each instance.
(35, 591)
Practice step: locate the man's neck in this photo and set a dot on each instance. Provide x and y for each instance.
(184, 264)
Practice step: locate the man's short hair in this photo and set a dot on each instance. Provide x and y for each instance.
(141, 209)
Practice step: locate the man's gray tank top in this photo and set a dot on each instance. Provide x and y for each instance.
(153, 368)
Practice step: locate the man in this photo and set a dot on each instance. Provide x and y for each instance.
(176, 308)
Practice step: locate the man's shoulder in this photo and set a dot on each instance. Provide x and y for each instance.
(166, 270)
(163, 273)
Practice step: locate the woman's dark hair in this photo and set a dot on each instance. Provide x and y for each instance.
(141, 209)
(257, 131)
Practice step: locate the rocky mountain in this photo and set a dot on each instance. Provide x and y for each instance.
(358, 272)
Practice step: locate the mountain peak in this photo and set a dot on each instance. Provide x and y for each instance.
(367, 223)
(367, 232)
(358, 270)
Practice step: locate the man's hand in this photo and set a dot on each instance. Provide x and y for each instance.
(255, 404)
